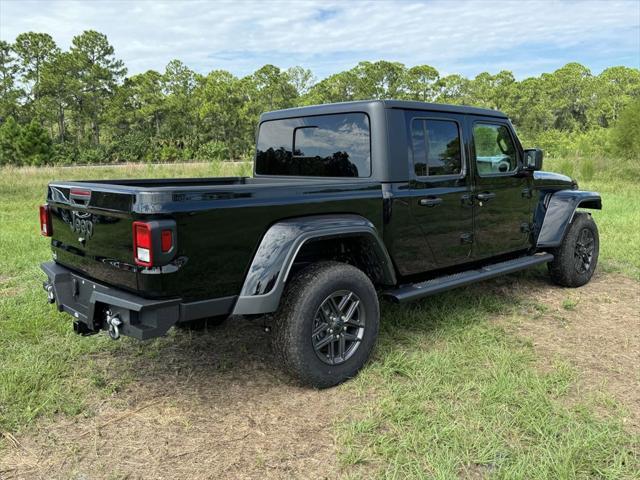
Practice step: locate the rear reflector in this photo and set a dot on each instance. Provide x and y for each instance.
(142, 244)
(167, 241)
(45, 221)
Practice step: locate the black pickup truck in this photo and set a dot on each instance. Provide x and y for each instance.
(348, 203)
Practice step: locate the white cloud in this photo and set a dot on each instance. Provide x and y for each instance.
(455, 36)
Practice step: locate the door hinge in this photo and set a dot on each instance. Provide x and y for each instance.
(525, 227)
(466, 238)
(527, 193)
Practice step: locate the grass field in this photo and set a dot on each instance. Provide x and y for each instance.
(453, 392)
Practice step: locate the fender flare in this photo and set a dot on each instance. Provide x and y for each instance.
(559, 214)
(272, 262)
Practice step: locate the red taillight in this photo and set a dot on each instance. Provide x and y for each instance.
(143, 253)
(45, 221)
(166, 241)
(154, 242)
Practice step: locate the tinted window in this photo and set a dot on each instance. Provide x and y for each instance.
(495, 151)
(320, 146)
(436, 147)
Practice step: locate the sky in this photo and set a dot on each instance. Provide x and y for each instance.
(467, 37)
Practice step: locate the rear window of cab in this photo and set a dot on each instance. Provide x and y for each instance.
(336, 145)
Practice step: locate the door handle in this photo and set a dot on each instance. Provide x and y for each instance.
(483, 197)
(430, 201)
(466, 200)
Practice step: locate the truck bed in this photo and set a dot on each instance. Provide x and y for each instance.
(220, 222)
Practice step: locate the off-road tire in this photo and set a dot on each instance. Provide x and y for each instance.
(202, 323)
(565, 269)
(294, 322)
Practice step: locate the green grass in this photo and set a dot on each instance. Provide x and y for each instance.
(619, 220)
(450, 394)
(455, 395)
(619, 224)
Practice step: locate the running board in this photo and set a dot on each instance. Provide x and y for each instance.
(430, 287)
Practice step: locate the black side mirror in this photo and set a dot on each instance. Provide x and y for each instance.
(533, 159)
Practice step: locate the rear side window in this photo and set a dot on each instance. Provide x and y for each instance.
(495, 151)
(320, 146)
(436, 147)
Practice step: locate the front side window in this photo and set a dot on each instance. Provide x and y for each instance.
(320, 146)
(495, 151)
(436, 147)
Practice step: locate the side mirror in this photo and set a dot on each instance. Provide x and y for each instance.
(533, 159)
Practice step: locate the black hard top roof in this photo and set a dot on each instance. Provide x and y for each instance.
(366, 105)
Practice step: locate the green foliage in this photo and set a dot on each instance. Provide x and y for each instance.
(64, 153)
(34, 145)
(28, 145)
(133, 146)
(92, 113)
(34, 51)
(212, 151)
(626, 133)
(173, 153)
(93, 154)
(10, 133)
(556, 143)
(9, 92)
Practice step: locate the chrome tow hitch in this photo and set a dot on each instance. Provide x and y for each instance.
(114, 323)
(51, 296)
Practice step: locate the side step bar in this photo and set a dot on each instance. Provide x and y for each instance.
(415, 291)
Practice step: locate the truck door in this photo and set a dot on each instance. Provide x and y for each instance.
(502, 195)
(440, 185)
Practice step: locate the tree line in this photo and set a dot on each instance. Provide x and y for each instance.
(79, 105)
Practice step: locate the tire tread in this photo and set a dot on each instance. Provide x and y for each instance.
(561, 269)
(287, 332)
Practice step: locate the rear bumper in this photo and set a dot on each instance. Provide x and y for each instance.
(141, 318)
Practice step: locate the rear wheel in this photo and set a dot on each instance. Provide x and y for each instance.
(327, 324)
(576, 258)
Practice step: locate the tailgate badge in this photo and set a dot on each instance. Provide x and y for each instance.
(80, 223)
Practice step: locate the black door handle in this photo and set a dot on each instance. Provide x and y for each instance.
(483, 197)
(430, 201)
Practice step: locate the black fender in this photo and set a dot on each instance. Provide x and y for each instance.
(556, 213)
(269, 270)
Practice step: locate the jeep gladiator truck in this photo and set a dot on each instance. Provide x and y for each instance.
(348, 203)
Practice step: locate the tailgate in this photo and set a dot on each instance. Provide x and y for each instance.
(92, 232)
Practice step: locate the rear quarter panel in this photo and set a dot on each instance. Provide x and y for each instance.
(219, 230)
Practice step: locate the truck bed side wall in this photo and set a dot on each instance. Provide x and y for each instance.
(219, 237)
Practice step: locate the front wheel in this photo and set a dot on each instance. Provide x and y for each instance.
(576, 258)
(327, 324)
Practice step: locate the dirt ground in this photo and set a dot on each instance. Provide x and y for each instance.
(596, 328)
(207, 406)
(219, 409)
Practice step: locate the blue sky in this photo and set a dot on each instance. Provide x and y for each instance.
(455, 36)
